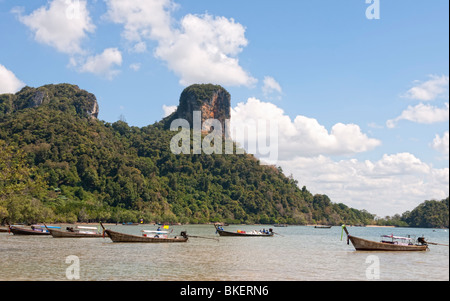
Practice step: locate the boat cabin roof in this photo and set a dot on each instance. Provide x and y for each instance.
(42, 226)
(397, 237)
(87, 228)
(157, 232)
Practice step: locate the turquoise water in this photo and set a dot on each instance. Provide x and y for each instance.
(299, 253)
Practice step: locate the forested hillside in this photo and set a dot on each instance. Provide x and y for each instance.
(429, 214)
(59, 163)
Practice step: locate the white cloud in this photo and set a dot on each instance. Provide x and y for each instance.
(9, 83)
(304, 136)
(62, 24)
(135, 66)
(441, 144)
(169, 110)
(436, 87)
(200, 49)
(422, 113)
(204, 51)
(139, 47)
(394, 184)
(270, 86)
(142, 19)
(103, 64)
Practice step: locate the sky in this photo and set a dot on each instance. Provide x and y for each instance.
(359, 89)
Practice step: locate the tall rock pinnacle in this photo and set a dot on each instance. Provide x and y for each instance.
(213, 101)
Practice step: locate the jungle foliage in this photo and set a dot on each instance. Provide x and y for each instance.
(58, 164)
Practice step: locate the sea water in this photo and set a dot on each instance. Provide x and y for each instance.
(295, 253)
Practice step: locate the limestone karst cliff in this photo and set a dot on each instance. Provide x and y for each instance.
(213, 101)
(60, 96)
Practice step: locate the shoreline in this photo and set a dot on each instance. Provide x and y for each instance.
(159, 224)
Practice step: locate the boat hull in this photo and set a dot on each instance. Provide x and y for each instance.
(67, 234)
(128, 238)
(23, 231)
(361, 244)
(225, 233)
(222, 232)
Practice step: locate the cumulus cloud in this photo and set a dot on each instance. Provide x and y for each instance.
(103, 64)
(271, 86)
(199, 48)
(441, 144)
(393, 184)
(142, 19)
(204, 50)
(436, 86)
(422, 113)
(304, 136)
(168, 110)
(9, 83)
(135, 66)
(62, 24)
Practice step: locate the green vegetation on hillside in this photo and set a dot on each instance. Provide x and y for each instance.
(58, 164)
(429, 214)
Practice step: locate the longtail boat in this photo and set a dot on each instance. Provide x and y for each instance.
(78, 232)
(240, 233)
(322, 227)
(145, 238)
(394, 243)
(34, 230)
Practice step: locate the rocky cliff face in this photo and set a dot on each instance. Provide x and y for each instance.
(62, 96)
(213, 101)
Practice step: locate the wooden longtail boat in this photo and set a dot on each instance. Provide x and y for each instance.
(129, 238)
(25, 231)
(78, 232)
(395, 244)
(322, 227)
(222, 232)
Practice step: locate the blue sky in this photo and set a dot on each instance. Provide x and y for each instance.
(362, 104)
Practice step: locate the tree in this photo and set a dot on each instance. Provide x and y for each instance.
(430, 214)
(20, 187)
(117, 172)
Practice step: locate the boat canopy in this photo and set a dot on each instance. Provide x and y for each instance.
(87, 228)
(157, 232)
(397, 237)
(42, 226)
